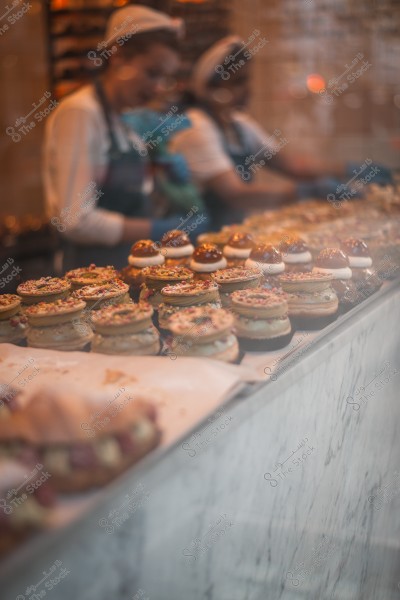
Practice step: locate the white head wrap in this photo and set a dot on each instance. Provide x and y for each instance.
(211, 62)
(138, 19)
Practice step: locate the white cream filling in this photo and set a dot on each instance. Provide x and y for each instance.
(145, 261)
(208, 267)
(343, 273)
(299, 257)
(232, 252)
(360, 261)
(270, 268)
(170, 252)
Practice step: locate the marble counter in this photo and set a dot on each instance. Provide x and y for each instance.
(292, 492)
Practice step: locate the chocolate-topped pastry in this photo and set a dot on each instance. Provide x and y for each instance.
(144, 253)
(296, 255)
(268, 259)
(206, 259)
(238, 248)
(176, 248)
(365, 279)
(334, 262)
(158, 277)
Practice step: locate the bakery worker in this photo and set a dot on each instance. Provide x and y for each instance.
(225, 146)
(96, 170)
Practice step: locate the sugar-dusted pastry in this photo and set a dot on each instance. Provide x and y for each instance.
(26, 499)
(261, 319)
(238, 248)
(203, 331)
(144, 253)
(158, 277)
(176, 248)
(206, 259)
(267, 259)
(125, 329)
(235, 278)
(365, 279)
(82, 441)
(12, 322)
(45, 289)
(53, 325)
(312, 301)
(91, 275)
(296, 255)
(182, 295)
(97, 296)
(334, 262)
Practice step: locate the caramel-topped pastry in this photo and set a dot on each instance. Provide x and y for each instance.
(358, 253)
(366, 280)
(176, 244)
(207, 258)
(90, 275)
(267, 258)
(334, 262)
(45, 289)
(239, 245)
(295, 251)
(145, 253)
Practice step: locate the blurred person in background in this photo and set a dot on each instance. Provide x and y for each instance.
(97, 172)
(225, 147)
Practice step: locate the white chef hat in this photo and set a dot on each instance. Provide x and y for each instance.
(140, 19)
(210, 61)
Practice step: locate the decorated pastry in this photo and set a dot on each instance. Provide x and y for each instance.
(334, 262)
(203, 331)
(261, 319)
(26, 500)
(91, 275)
(53, 325)
(97, 296)
(181, 295)
(267, 259)
(144, 253)
(217, 238)
(45, 289)
(12, 322)
(365, 279)
(158, 277)
(176, 248)
(206, 259)
(81, 442)
(296, 255)
(233, 279)
(238, 248)
(125, 329)
(312, 301)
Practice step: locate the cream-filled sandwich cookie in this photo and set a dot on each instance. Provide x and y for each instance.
(54, 313)
(12, 322)
(156, 278)
(235, 278)
(91, 275)
(206, 259)
(182, 295)
(96, 296)
(45, 289)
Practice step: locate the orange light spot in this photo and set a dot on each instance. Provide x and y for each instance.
(315, 83)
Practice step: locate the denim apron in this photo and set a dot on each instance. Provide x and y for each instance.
(220, 213)
(122, 192)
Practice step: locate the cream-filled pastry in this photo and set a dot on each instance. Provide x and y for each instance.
(45, 289)
(181, 295)
(267, 259)
(91, 275)
(238, 249)
(334, 262)
(235, 278)
(159, 277)
(296, 255)
(12, 321)
(206, 259)
(176, 248)
(365, 279)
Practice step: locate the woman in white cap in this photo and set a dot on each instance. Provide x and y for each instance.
(96, 169)
(225, 146)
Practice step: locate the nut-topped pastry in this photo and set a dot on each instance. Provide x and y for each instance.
(90, 275)
(176, 247)
(82, 441)
(334, 262)
(12, 322)
(218, 238)
(261, 319)
(52, 325)
(296, 255)
(312, 301)
(158, 277)
(365, 279)
(182, 295)
(206, 259)
(238, 248)
(203, 331)
(125, 329)
(144, 253)
(235, 278)
(267, 259)
(97, 296)
(45, 289)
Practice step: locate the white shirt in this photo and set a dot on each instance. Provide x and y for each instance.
(203, 144)
(75, 166)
